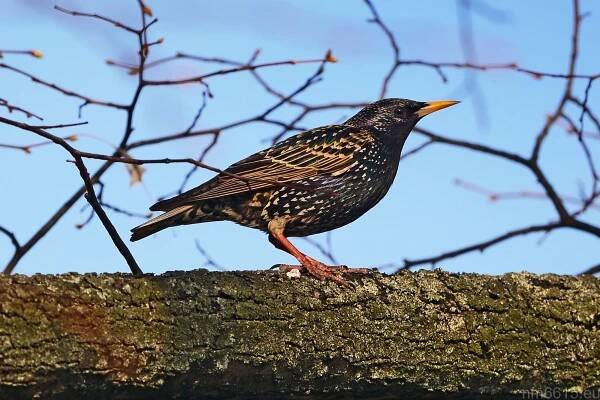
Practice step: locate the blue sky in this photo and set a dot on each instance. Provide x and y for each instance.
(423, 214)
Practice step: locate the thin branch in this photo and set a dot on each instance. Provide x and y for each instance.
(473, 146)
(27, 148)
(32, 53)
(586, 110)
(12, 237)
(417, 149)
(4, 103)
(494, 196)
(392, 41)
(184, 56)
(87, 100)
(89, 186)
(262, 117)
(201, 78)
(591, 270)
(108, 206)
(99, 17)
(482, 245)
(568, 88)
(122, 211)
(511, 66)
(208, 260)
(324, 250)
(198, 113)
(115, 209)
(581, 138)
(60, 126)
(572, 129)
(200, 158)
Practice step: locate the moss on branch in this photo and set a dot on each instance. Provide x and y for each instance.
(264, 335)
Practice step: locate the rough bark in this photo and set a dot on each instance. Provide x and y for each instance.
(265, 335)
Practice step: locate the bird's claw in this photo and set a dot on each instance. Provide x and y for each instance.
(322, 271)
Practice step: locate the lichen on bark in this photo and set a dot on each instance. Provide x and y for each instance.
(203, 334)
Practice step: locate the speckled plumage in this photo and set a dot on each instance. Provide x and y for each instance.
(313, 182)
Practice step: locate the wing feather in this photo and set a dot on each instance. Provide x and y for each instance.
(324, 151)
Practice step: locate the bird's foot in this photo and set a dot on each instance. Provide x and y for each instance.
(344, 269)
(326, 272)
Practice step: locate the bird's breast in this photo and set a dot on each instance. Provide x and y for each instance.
(333, 200)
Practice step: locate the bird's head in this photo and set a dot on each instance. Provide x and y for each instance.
(396, 117)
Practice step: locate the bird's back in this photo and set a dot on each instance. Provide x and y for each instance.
(314, 152)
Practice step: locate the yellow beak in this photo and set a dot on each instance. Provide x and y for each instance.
(433, 106)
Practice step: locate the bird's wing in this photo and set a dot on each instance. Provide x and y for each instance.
(329, 150)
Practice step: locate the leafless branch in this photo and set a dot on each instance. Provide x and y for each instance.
(482, 246)
(4, 103)
(99, 17)
(89, 186)
(208, 260)
(27, 148)
(417, 149)
(376, 19)
(565, 219)
(326, 250)
(591, 270)
(521, 194)
(201, 78)
(108, 206)
(12, 237)
(86, 100)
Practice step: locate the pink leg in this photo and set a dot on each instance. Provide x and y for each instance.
(316, 268)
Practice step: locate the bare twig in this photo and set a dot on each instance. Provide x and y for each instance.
(33, 53)
(4, 103)
(522, 194)
(208, 260)
(12, 237)
(565, 220)
(130, 108)
(591, 270)
(116, 23)
(86, 100)
(393, 44)
(200, 78)
(89, 186)
(326, 250)
(417, 149)
(480, 246)
(27, 148)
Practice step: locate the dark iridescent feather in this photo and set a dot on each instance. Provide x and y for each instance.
(320, 151)
(334, 174)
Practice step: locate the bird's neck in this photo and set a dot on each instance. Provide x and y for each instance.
(394, 137)
(392, 131)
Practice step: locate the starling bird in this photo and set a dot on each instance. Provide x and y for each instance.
(313, 182)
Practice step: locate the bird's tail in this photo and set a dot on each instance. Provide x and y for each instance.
(176, 216)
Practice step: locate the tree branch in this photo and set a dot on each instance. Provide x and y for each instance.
(4, 103)
(87, 100)
(89, 186)
(482, 246)
(262, 335)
